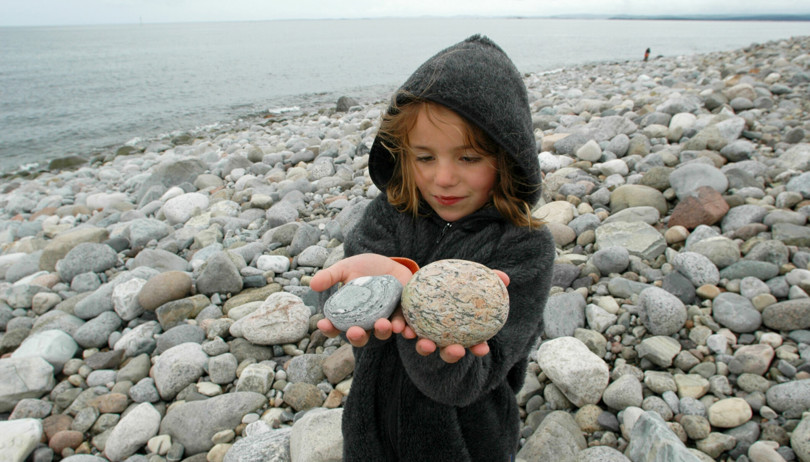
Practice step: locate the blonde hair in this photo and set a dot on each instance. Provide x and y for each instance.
(401, 188)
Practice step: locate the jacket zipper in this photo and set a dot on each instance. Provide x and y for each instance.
(446, 228)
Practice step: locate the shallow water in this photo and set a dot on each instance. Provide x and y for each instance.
(78, 90)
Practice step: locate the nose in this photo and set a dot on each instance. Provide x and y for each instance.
(445, 174)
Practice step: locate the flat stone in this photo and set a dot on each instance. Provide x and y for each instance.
(736, 312)
(660, 350)
(639, 238)
(636, 195)
(455, 301)
(362, 301)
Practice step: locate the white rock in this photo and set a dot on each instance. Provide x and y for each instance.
(561, 212)
(317, 436)
(590, 151)
(765, 451)
(101, 201)
(614, 167)
(179, 209)
(132, 340)
(275, 263)
(548, 162)
(24, 378)
(283, 318)
(125, 299)
(18, 438)
(729, 413)
(54, 346)
(574, 369)
(132, 432)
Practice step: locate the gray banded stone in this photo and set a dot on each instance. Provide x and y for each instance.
(362, 301)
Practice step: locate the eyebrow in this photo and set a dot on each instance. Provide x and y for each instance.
(465, 147)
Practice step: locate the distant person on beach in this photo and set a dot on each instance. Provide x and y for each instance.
(646, 55)
(456, 161)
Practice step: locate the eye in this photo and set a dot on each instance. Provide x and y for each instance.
(471, 159)
(422, 157)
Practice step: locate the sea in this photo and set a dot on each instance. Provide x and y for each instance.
(84, 90)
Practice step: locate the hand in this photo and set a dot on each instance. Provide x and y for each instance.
(367, 264)
(353, 268)
(453, 353)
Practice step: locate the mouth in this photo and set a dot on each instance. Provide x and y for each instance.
(448, 200)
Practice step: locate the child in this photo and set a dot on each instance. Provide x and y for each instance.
(456, 160)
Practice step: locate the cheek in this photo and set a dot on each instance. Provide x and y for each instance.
(485, 181)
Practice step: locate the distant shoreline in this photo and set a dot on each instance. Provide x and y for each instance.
(731, 18)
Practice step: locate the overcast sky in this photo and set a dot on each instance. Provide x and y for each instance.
(75, 12)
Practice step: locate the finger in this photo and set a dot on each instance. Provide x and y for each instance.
(482, 349)
(452, 353)
(382, 329)
(357, 336)
(425, 347)
(324, 279)
(408, 332)
(504, 277)
(398, 321)
(325, 326)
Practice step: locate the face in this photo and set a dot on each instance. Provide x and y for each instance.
(452, 177)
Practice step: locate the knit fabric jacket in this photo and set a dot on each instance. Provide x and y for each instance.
(408, 407)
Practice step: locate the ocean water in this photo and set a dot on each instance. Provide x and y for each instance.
(80, 90)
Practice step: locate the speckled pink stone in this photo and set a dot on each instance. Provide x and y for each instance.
(455, 301)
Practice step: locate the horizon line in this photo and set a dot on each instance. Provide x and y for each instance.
(780, 17)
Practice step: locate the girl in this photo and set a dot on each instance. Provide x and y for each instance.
(455, 158)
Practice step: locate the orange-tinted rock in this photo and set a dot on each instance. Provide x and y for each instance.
(54, 424)
(111, 403)
(707, 208)
(163, 288)
(65, 439)
(47, 211)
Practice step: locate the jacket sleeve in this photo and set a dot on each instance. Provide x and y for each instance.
(527, 257)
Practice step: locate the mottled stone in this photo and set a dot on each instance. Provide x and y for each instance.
(455, 301)
(363, 301)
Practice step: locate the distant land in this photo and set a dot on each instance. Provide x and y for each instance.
(692, 17)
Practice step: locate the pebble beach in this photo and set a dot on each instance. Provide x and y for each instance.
(154, 300)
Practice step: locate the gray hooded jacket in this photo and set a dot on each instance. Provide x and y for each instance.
(407, 407)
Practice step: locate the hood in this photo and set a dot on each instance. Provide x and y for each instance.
(477, 80)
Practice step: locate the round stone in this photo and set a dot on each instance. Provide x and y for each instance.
(362, 301)
(455, 301)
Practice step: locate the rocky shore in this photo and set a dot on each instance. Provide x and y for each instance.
(154, 304)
